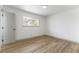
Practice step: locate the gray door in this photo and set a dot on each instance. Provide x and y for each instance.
(9, 28)
(0, 29)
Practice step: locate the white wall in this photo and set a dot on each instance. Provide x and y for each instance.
(26, 32)
(64, 25)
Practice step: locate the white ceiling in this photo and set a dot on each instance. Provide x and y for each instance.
(51, 9)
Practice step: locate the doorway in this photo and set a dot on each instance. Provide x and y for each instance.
(9, 27)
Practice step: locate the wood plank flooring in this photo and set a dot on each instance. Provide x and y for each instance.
(42, 44)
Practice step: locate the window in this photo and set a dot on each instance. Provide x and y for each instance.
(27, 21)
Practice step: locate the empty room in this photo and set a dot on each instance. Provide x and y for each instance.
(39, 28)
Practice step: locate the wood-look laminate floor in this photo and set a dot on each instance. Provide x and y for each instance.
(42, 44)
